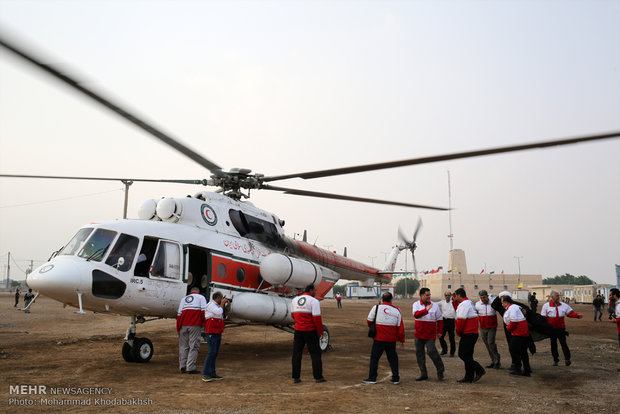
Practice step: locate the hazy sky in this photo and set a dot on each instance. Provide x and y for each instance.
(290, 86)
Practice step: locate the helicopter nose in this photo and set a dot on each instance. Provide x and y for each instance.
(60, 279)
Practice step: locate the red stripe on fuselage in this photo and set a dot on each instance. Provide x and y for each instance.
(335, 261)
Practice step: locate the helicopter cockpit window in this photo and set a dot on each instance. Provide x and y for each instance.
(97, 246)
(167, 263)
(76, 242)
(255, 228)
(239, 221)
(125, 248)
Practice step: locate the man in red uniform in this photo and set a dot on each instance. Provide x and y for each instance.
(555, 311)
(467, 329)
(190, 320)
(390, 328)
(214, 326)
(516, 324)
(428, 326)
(306, 311)
(488, 327)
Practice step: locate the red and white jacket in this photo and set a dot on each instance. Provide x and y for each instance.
(618, 315)
(486, 315)
(515, 321)
(390, 327)
(428, 323)
(215, 318)
(191, 311)
(555, 314)
(466, 318)
(306, 311)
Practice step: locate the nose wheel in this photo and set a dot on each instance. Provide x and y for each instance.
(141, 351)
(136, 349)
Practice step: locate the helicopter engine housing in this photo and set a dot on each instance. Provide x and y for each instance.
(282, 270)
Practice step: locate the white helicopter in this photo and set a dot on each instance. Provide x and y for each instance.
(212, 240)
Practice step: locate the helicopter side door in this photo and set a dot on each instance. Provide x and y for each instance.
(164, 277)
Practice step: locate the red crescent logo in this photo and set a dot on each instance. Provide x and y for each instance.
(385, 310)
(207, 214)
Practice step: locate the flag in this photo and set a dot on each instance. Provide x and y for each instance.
(482, 271)
(440, 268)
(502, 272)
(492, 272)
(454, 269)
(520, 285)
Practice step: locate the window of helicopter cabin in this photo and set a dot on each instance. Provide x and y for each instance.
(240, 275)
(97, 245)
(125, 248)
(167, 262)
(76, 242)
(145, 258)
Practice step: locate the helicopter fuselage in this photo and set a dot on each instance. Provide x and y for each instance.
(210, 241)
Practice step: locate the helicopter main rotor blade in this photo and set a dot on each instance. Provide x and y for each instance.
(345, 197)
(57, 177)
(437, 158)
(115, 108)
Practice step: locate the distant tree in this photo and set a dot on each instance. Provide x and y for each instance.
(568, 279)
(15, 283)
(340, 289)
(411, 286)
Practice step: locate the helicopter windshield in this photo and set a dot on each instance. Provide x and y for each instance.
(125, 247)
(96, 247)
(76, 242)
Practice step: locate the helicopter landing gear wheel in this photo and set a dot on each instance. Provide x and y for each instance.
(324, 341)
(127, 354)
(142, 350)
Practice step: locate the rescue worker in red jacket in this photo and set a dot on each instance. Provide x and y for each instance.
(190, 320)
(214, 326)
(467, 329)
(428, 327)
(306, 311)
(488, 327)
(390, 328)
(516, 324)
(555, 311)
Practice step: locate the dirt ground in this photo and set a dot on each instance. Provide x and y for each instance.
(54, 347)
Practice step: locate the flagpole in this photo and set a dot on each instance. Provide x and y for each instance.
(450, 236)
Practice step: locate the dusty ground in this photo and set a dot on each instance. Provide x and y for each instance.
(54, 347)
